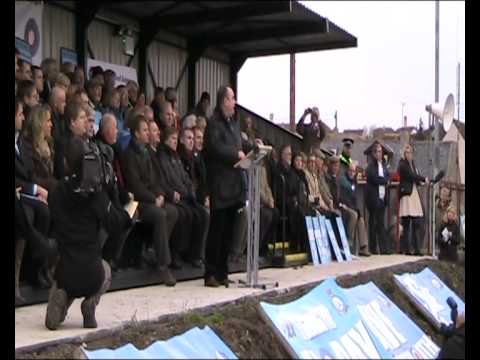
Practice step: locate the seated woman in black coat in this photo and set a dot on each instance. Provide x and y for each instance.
(287, 196)
(191, 243)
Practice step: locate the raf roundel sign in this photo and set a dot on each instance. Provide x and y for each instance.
(32, 35)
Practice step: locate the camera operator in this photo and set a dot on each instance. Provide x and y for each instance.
(313, 133)
(80, 207)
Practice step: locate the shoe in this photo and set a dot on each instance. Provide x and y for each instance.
(364, 252)
(167, 278)
(176, 262)
(19, 300)
(418, 253)
(88, 311)
(226, 282)
(211, 282)
(56, 309)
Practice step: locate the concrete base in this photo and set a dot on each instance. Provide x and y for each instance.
(117, 309)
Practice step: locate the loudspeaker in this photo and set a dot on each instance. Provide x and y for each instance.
(445, 113)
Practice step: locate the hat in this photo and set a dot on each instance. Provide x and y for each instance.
(325, 154)
(348, 142)
(333, 159)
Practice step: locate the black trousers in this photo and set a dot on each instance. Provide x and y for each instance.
(163, 221)
(190, 232)
(269, 219)
(297, 229)
(219, 240)
(411, 238)
(376, 231)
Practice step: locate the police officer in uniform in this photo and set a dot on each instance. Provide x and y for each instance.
(346, 156)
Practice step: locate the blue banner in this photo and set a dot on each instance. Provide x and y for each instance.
(333, 240)
(323, 324)
(343, 237)
(194, 344)
(311, 240)
(429, 294)
(68, 56)
(392, 331)
(321, 239)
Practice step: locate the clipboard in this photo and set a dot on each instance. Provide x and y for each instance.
(255, 155)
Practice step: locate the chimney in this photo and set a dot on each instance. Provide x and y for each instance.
(405, 121)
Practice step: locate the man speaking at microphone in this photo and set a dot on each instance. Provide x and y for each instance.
(226, 184)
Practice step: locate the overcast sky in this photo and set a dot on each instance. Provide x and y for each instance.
(394, 62)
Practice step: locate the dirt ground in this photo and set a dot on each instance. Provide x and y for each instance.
(242, 329)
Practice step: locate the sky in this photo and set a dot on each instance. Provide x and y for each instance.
(394, 63)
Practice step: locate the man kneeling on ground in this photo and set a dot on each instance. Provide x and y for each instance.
(80, 206)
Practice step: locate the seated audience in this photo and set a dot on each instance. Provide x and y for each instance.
(357, 235)
(141, 180)
(50, 71)
(289, 190)
(158, 98)
(40, 136)
(59, 129)
(94, 92)
(175, 177)
(203, 106)
(33, 196)
(37, 77)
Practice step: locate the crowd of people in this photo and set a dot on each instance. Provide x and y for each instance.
(85, 148)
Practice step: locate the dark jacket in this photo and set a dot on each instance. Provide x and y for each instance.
(140, 177)
(372, 196)
(76, 224)
(448, 249)
(174, 174)
(332, 183)
(408, 176)
(24, 167)
(222, 144)
(347, 192)
(312, 135)
(287, 185)
(60, 133)
(194, 166)
(111, 154)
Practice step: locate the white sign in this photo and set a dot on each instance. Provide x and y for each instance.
(122, 73)
(28, 26)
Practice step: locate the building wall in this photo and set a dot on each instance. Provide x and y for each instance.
(58, 30)
(167, 63)
(211, 75)
(106, 46)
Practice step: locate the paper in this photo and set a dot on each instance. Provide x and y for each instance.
(381, 192)
(253, 155)
(445, 234)
(131, 207)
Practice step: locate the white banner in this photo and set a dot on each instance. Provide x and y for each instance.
(122, 73)
(28, 26)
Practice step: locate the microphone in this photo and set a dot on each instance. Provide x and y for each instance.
(438, 177)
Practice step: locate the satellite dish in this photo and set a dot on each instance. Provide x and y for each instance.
(444, 113)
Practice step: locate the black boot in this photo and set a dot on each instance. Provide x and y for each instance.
(88, 311)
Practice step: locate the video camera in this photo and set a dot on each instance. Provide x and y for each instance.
(95, 171)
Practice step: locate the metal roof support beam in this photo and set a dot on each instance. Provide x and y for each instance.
(194, 54)
(147, 34)
(225, 38)
(84, 15)
(236, 64)
(299, 49)
(223, 14)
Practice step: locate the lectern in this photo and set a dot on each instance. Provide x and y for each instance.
(251, 163)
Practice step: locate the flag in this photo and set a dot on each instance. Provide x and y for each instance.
(28, 27)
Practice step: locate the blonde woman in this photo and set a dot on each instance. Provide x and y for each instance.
(40, 135)
(411, 211)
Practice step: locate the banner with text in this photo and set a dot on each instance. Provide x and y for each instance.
(429, 294)
(323, 324)
(28, 27)
(122, 73)
(194, 344)
(392, 330)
